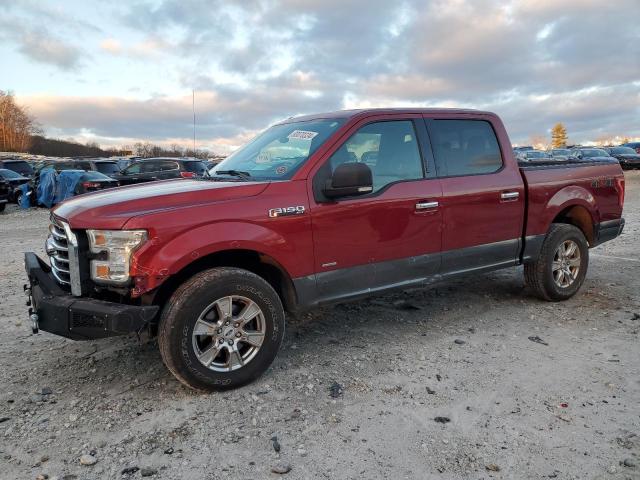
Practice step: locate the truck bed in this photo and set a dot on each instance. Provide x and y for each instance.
(597, 186)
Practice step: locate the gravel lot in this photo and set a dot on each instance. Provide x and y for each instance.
(569, 408)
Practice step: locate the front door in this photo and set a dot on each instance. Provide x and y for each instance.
(390, 237)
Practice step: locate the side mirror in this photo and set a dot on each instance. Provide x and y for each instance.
(579, 156)
(348, 179)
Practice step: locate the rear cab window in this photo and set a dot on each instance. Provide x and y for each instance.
(464, 147)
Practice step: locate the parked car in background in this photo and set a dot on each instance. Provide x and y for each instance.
(634, 145)
(22, 167)
(590, 154)
(533, 156)
(523, 149)
(151, 169)
(14, 180)
(104, 166)
(4, 194)
(560, 154)
(627, 156)
(92, 181)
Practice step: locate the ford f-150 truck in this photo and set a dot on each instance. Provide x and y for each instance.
(317, 209)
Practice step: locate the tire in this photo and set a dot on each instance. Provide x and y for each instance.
(18, 197)
(546, 276)
(198, 306)
(2, 206)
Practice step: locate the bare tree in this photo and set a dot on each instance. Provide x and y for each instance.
(16, 125)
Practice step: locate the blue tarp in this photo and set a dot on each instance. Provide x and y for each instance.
(46, 187)
(25, 201)
(55, 187)
(67, 181)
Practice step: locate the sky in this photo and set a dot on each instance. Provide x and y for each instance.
(120, 72)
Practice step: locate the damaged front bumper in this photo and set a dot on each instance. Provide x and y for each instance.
(56, 311)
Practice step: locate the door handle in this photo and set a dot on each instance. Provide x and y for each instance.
(427, 205)
(509, 195)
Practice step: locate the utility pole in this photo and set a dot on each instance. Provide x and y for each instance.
(193, 106)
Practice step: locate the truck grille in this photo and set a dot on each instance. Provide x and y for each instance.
(58, 251)
(62, 248)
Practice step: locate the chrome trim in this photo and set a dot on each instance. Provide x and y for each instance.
(427, 205)
(58, 246)
(74, 261)
(53, 229)
(509, 195)
(57, 277)
(54, 263)
(62, 248)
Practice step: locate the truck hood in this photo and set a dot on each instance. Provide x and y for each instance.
(110, 209)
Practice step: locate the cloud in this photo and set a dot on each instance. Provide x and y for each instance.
(148, 48)
(41, 47)
(44, 34)
(536, 62)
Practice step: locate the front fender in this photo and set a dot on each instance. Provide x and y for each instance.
(153, 265)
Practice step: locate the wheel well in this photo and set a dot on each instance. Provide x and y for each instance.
(580, 217)
(258, 263)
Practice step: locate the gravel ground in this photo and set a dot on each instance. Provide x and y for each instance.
(355, 390)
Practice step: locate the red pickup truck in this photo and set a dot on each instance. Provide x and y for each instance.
(317, 209)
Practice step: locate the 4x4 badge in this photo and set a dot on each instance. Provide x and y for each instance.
(285, 211)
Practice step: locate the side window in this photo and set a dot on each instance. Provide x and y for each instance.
(167, 165)
(133, 169)
(464, 147)
(390, 149)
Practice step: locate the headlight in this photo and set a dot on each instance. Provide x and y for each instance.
(116, 247)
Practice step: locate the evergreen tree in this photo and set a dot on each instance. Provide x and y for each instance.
(558, 136)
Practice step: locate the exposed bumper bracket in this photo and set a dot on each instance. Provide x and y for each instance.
(78, 318)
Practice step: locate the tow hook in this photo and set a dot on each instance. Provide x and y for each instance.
(35, 327)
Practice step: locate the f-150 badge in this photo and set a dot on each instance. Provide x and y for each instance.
(285, 211)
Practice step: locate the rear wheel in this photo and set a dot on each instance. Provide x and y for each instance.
(221, 329)
(561, 267)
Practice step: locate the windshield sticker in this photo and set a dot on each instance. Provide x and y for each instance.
(281, 170)
(302, 134)
(263, 157)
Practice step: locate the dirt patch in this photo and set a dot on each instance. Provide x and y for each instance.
(355, 389)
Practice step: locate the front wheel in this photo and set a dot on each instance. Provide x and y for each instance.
(561, 267)
(221, 329)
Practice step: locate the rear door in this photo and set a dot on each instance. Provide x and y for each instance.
(482, 194)
(387, 238)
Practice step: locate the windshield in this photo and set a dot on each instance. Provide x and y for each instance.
(594, 152)
(560, 151)
(108, 168)
(280, 150)
(532, 154)
(22, 167)
(623, 151)
(9, 174)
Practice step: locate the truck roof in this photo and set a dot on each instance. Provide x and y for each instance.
(369, 111)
